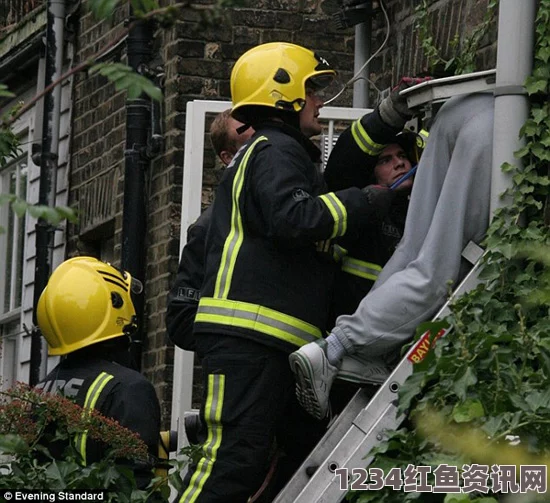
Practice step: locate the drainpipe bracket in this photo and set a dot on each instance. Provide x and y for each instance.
(510, 91)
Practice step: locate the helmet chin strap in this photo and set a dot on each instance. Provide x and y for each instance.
(131, 327)
(241, 129)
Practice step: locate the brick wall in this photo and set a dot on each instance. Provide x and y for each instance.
(98, 130)
(403, 53)
(197, 61)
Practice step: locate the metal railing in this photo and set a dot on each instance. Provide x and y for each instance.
(12, 11)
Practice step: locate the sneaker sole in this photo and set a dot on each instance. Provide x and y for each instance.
(304, 382)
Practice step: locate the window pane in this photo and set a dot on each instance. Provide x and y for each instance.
(22, 192)
(8, 338)
(13, 180)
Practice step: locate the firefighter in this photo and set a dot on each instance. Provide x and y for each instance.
(267, 280)
(449, 207)
(183, 298)
(86, 315)
(363, 254)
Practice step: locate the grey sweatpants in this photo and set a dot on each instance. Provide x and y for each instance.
(449, 207)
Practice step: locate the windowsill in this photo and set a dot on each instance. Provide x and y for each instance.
(10, 316)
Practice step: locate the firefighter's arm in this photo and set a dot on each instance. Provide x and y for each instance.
(183, 298)
(135, 406)
(353, 158)
(292, 213)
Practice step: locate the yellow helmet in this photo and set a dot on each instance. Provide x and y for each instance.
(85, 301)
(275, 75)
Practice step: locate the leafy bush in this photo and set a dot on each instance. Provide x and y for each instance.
(32, 421)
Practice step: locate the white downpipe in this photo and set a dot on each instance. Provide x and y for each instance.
(514, 64)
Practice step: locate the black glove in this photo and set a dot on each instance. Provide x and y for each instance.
(394, 110)
(380, 199)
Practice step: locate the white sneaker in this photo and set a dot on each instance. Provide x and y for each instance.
(314, 376)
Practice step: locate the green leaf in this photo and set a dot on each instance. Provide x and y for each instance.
(456, 498)
(7, 198)
(544, 54)
(103, 9)
(125, 78)
(518, 154)
(530, 128)
(539, 115)
(537, 400)
(492, 425)
(462, 384)
(534, 85)
(519, 402)
(13, 444)
(68, 213)
(410, 389)
(20, 207)
(5, 93)
(143, 6)
(467, 411)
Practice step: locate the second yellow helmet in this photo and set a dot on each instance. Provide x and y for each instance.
(86, 301)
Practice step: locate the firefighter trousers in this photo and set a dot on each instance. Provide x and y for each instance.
(249, 405)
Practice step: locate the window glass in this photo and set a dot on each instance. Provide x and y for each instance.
(13, 180)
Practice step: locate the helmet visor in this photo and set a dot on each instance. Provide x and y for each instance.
(320, 81)
(136, 286)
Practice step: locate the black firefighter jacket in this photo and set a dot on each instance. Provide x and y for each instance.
(116, 392)
(364, 251)
(183, 298)
(266, 274)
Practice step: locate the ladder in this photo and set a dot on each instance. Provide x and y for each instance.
(363, 422)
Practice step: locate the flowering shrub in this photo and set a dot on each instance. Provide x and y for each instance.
(32, 421)
(28, 412)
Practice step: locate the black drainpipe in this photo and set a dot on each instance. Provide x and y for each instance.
(47, 160)
(134, 223)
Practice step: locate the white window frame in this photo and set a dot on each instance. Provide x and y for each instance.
(7, 216)
(9, 352)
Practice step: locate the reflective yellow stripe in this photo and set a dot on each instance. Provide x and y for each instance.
(364, 141)
(422, 138)
(235, 237)
(212, 415)
(338, 212)
(92, 396)
(258, 318)
(338, 253)
(357, 267)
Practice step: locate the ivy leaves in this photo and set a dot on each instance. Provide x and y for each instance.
(52, 215)
(124, 78)
(104, 9)
(464, 48)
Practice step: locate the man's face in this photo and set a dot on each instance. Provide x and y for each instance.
(392, 164)
(238, 139)
(309, 115)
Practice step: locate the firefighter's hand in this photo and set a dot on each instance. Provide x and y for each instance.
(380, 199)
(394, 110)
